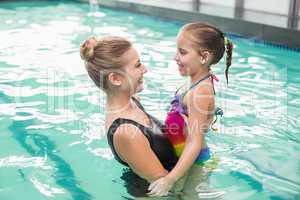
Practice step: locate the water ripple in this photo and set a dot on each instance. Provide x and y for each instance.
(54, 109)
(45, 189)
(24, 162)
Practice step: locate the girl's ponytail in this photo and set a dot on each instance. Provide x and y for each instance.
(228, 49)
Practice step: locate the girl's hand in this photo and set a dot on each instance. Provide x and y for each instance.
(160, 187)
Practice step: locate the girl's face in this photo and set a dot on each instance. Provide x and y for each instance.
(134, 71)
(187, 57)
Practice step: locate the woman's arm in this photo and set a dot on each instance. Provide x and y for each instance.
(134, 148)
(198, 103)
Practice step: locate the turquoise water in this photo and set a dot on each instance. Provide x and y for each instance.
(52, 139)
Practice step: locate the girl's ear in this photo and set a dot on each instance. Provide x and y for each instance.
(205, 57)
(115, 79)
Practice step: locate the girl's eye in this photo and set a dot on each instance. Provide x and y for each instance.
(182, 52)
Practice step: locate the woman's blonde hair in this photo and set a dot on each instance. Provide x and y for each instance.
(102, 56)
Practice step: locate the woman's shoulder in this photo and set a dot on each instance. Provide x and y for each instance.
(114, 120)
(129, 138)
(128, 133)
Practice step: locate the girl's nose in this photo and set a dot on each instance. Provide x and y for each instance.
(144, 69)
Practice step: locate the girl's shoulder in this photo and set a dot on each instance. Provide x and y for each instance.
(202, 92)
(206, 88)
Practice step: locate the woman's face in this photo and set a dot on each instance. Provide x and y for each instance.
(187, 58)
(134, 71)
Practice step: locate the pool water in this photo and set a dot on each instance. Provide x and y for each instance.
(52, 139)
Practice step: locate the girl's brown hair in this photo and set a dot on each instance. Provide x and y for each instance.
(103, 56)
(206, 36)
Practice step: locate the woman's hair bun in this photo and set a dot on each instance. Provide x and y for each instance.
(87, 49)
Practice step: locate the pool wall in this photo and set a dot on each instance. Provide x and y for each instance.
(254, 30)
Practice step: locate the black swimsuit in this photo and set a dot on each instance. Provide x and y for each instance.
(159, 144)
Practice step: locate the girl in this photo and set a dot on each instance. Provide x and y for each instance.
(199, 46)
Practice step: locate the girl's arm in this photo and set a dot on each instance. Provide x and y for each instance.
(134, 148)
(198, 103)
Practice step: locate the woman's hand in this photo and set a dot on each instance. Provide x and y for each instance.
(160, 187)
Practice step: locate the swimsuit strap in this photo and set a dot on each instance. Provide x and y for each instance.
(213, 78)
(178, 89)
(115, 125)
(137, 102)
(195, 84)
(199, 81)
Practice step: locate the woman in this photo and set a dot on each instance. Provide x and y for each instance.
(134, 136)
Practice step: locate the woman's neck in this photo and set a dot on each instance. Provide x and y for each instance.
(118, 103)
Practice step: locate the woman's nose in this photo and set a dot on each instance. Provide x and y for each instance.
(176, 58)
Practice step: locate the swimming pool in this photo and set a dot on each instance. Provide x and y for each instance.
(52, 139)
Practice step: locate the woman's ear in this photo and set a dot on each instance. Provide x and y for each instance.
(115, 79)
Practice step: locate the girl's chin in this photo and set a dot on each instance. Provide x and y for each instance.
(182, 73)
(181, 70)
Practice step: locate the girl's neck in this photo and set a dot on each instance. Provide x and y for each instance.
(203, 71)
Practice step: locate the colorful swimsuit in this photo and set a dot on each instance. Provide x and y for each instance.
(175, 124)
